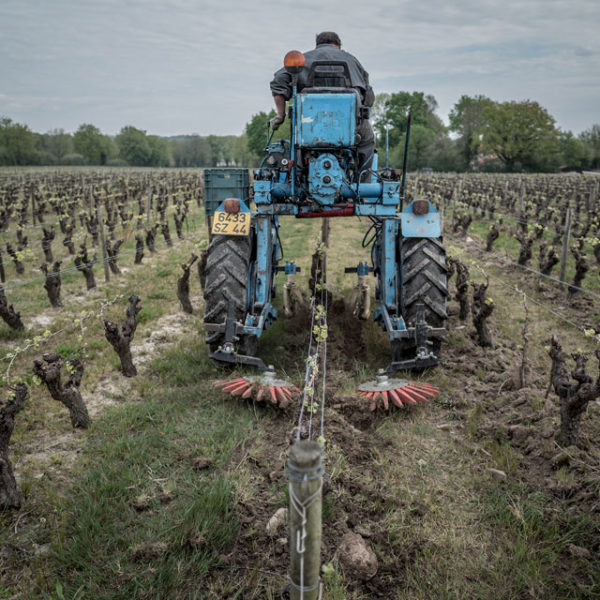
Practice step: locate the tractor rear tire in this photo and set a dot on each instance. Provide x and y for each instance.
(227, 267)
(424, 281)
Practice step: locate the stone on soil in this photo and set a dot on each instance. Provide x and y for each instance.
(497, 473)
(356, 557)
(277, 522)
(579, 551)
(201, 462)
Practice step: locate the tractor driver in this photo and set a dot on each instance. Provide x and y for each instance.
(329, 47)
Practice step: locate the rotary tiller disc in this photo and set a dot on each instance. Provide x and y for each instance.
(399, 392)
(262, 388)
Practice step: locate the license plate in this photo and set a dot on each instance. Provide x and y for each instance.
(231, 224)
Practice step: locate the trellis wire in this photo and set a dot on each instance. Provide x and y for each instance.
(127, 204)
(12, 356)
(537, 302)
(534, 271)
(73, 268)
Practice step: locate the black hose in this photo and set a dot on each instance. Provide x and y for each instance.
(279, 239)
(376, 225)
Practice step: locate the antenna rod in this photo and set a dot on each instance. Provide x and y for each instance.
(405, 161)
(387, 146)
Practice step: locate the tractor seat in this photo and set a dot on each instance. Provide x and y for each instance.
(331, 78)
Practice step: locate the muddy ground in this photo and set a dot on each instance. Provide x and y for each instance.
(479, 406)
(390, 475)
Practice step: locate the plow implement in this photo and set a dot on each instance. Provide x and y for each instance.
(264, 388)
(382, 391)
(396, 392)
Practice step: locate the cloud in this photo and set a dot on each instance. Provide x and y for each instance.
(175, 66)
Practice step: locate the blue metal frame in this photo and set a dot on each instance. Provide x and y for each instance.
(261, 313)
(324, 124)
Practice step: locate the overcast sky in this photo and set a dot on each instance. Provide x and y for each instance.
(183, 66)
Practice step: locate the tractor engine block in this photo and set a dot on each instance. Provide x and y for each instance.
(324, 178)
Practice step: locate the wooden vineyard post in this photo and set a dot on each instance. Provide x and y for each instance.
(565, 247)
(91, 200)
(32, 206)
(103, 242)
(208, 221)
(148, 207)
(305, 474)
(521, 197)
(325, 229)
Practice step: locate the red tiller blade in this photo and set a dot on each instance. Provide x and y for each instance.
(226, 383)
(219, 383)
(398, 392)
(406, 396)
(424, 392)
(386, 403)
(273, 395)
(396, 398)
(236, 387)
(415, 393)
(261, 388)
(282, 398)
(425, 387)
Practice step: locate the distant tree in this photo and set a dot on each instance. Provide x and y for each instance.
(215, 153)
(395, 110)
(429, 145)
(421, 148)
(73, 159)
(55, 143)
(160, 152)
(59, 143)
(43, 157)
(427, 149)
(467, 119)
(241, 154)
(572, 151)
(521, 134)
(198, 151)
(192, 151)
(256, 133)
(227, 146)
(133, 146)
(379, 108)
(95, 147)
(591, 139)
(445, 155)
(176, 152)
(17, 143)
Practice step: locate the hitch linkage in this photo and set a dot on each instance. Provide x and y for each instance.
(226, 351)
(424, 358)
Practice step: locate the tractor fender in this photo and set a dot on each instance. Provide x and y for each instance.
(426, 225)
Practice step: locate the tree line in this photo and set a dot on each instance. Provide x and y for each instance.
(131, 147)
(482, 135)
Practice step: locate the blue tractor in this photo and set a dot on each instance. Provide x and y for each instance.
(317, 174)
